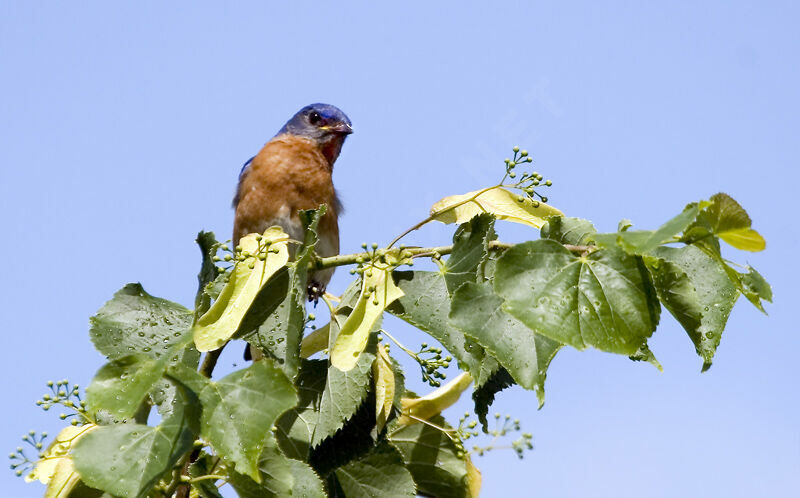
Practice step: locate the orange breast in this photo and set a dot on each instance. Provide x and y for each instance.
(288, 175)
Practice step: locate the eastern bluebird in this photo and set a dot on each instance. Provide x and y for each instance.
(293, 173)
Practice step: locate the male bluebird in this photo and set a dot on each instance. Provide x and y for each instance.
(293, 173)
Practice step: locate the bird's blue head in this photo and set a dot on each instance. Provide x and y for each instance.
(321, 122)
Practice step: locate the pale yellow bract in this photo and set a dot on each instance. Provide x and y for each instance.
(378, 291)
(384, 386)
(56, 468)
(435, 402)
(504, 205)
(222, 320)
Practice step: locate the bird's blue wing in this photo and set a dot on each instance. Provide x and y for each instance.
(242, 174)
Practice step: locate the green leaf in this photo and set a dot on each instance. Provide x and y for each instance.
(240, 409)
(575, 231)
(497, 201)
(134, 322)
(644, 241)
(128, 459)
(281, 318)
(328, 397)
(432, 459)
(222, 320)
(426, 305)
(730, 222)
(470, 250)
(755, 287)
(694, 287)
(382, 472)
(121, 385)
(479, 312)
(483, 396)
(644, 354)
(344, 392)
(280, 476)
(378, 291)
(208, 271)
(296, 426)
(604, 300)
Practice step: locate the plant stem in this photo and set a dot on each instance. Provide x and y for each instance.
(351, 259)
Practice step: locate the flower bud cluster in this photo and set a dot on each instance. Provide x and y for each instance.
(504, 426)
(372, 255)
(68, 396)
(20, 462)
(430, 366)
(528, 182)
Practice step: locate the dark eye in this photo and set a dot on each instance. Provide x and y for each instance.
(314, 118)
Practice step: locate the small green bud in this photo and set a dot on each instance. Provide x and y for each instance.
(523, 153)
(535, 204)
(363, 245)
(512, 175)
(374, 245)
(512, 164)
(216, 258)
(516, 148)
(544, 199)
(49, 383)
(530, 160)
(548, 183)
(507, 160)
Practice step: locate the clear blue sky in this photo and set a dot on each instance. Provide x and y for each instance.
(123, 129)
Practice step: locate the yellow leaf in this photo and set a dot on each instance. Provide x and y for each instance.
(222, 320)
(435, 402)
(474, 479)
(745, 239)
(378, 290)
(497, 201)
(55, 468)
(315, 341)
(384, 386)
(64, 479)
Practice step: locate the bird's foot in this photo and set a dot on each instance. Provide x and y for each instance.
(315, 291)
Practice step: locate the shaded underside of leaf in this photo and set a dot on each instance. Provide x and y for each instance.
(432, 459)
(483, 396)
(381, 472)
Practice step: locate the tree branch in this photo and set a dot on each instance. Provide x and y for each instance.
(351, 259)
